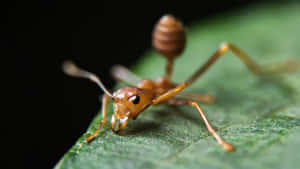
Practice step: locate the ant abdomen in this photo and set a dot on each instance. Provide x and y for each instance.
(168, 37)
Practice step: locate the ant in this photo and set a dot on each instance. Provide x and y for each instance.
(168, 39)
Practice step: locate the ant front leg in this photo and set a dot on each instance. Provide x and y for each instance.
(284, 67)
(224, 144)
(103, 121)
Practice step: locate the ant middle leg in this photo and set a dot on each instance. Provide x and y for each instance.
(224, 144)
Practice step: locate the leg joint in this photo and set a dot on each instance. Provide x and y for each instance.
(224, 47)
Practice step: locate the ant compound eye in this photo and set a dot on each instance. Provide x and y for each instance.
(135, 99)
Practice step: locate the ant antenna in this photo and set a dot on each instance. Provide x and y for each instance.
(71, 69)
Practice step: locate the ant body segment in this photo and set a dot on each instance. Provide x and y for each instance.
(168, 40)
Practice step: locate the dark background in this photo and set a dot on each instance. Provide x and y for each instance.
(49, 110)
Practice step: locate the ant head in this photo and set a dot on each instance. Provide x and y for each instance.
(129, 102)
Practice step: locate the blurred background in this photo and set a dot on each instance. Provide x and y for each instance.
(50, 110)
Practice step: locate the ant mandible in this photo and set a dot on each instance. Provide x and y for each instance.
(168, 39)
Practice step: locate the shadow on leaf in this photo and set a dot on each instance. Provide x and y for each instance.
(141, 126)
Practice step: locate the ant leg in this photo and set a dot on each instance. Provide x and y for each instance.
(103, 121)
(224, 144)
(288, 66)
(202, 98)
(284, 67)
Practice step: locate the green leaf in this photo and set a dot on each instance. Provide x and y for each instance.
(260, 116)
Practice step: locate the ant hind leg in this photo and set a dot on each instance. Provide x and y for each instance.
(283, 67)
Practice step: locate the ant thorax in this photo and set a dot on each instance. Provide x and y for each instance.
(159, 86)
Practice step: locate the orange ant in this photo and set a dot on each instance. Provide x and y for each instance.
(169, 40)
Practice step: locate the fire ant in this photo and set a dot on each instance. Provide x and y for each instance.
(168, 40)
